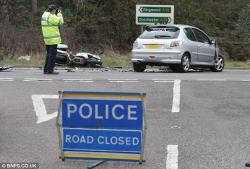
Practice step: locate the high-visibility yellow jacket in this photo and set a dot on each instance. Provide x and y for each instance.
(50, 28)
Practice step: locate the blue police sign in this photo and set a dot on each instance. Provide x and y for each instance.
(101, 125)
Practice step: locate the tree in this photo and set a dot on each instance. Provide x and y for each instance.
(4, 12)
(243, 24)
(34, 6)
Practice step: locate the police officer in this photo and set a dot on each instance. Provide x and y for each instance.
(51, 20)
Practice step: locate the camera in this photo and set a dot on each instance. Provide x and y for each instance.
(58, 10)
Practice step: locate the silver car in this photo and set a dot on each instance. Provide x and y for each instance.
(180, 47)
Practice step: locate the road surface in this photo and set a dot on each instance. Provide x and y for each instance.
(196, 120)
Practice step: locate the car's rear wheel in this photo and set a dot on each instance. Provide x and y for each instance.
(139, 67)
(219, 65)
(185, 63)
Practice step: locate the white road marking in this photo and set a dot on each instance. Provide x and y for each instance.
(34, 79)
(216, 80)
(172, 157)
(245, 80)
(6, 79)
(176, 96)
(87, 81)
(170, 80)
(175, 127)
(121, 81)
(28, 79)
(40, 108)
(77, 79)
(162, 81)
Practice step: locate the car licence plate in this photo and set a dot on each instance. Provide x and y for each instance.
(153, 46)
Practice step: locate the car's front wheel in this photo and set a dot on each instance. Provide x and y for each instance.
(219, 64)
(139, 67)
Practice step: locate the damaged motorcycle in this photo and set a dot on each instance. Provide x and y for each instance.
(5, 67)
(83, 59)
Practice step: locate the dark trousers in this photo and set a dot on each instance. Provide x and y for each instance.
(50, 58)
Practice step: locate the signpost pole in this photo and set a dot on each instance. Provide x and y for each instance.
(144, 129)
(142, 29)
(58, 125)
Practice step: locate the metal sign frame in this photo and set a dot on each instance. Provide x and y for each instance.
(138, 157)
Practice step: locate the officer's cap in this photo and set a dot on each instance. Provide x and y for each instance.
(51, 7)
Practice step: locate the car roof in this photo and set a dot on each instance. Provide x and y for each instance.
(176, 25)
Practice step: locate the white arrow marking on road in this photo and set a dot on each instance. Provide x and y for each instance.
(42, 115)
(172, 157)
(176, 96)
(40, 108)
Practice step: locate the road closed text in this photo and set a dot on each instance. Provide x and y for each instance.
(113, 140)
(102, 139)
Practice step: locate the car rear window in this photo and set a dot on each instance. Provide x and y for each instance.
(160, 33)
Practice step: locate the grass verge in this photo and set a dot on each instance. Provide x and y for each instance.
(22, 63)
(111, 59)
(230, 64)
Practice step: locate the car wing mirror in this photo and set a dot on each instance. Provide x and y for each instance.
(212, 41)
(148, 29)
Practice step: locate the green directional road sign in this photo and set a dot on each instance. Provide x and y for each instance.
(155, 9)
(147, 14)
(161, 20)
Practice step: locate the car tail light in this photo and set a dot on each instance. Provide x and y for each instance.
(176, 44)
(136, 45)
